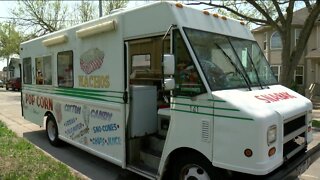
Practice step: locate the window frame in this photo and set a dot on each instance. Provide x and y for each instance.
(271, 40)
(43, 72)
(296, 39)
(278, 71)
(265, 40)
(72, 60)
(24, 71)
(302, 75)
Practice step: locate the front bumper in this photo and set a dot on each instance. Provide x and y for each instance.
(295, 166)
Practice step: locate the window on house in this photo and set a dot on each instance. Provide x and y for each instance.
(43, 70)
(296, 35)
(11, 73)
(275, 41)
(276, 69)
(265, 41)
(65, 69)
(27, 75)
(298, 75)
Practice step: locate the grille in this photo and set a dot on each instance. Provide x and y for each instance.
(205, 131)
(294, 133)
(293, 146)
(294, 125)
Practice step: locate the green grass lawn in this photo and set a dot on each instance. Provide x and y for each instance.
(316, 123)
(19, 159)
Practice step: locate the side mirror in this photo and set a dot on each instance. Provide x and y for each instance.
(169, 84)
(168, 64)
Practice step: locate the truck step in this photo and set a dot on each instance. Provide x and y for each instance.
(150, 157)
(154, 142)
(143, 170)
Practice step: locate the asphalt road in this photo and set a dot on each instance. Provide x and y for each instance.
(87, 165)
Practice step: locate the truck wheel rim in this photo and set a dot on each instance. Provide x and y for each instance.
(193, 172)
(52, 131)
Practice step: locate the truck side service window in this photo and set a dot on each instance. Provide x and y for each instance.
(65, 69)
(188, 82)
(27, 72)
(43, 70)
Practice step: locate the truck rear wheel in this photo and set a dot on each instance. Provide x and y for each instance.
(52, 131)
(195, 167)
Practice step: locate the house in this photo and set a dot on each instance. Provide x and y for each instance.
(308, 69)
(2, 76)
(14, 67)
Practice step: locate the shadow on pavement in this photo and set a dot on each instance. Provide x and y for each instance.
(87, 164)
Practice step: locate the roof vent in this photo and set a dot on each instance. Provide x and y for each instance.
(116, 10)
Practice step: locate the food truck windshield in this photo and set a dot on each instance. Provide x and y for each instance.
(229, 62)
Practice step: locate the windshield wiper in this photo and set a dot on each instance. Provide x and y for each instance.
(255, 70)
(235, 66)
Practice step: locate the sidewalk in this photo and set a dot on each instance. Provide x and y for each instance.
(18, 124)
(316, 114)
(313, 172)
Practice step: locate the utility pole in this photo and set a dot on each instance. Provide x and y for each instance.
(100, 8)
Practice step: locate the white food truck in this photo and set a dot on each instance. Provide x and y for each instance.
(168, 92)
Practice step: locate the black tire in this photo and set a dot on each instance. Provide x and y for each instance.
(52, 131)
(195, 166)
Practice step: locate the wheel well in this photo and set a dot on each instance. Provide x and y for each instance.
(187, 152)
(183, 152)
(175, 155)
(48, 113)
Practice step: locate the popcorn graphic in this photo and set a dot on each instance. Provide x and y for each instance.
(91, 60)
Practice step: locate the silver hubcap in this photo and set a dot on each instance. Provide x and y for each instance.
(193, 172)
(51, 131)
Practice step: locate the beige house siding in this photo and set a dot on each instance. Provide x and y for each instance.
(275, 57)
(312, 43)
(260, 39)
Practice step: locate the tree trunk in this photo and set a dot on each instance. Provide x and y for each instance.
(286, 75)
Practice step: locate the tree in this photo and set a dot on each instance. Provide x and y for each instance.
(10, 40)
(41, 16)
(277, 15)
(86, 11)
(113, 4)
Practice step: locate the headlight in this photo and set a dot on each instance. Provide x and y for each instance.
(272, 134)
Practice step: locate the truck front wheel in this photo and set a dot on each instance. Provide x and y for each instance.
(52, 131)
(195, 166)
